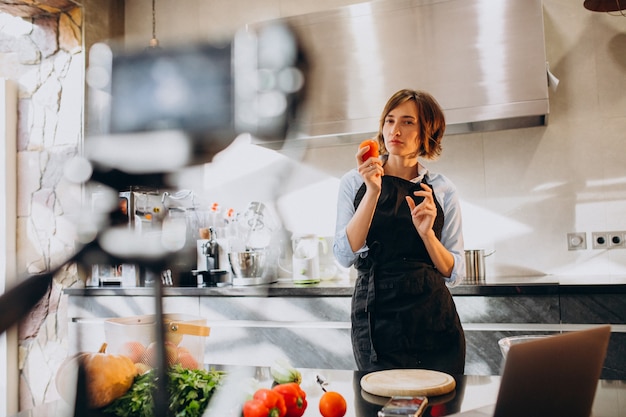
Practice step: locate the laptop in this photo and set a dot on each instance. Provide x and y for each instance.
(555, 376)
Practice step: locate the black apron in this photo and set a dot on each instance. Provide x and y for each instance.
(403, 315)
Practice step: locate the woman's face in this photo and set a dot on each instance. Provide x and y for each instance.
(400, 130)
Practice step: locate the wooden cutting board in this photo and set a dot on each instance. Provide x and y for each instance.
(408, 382)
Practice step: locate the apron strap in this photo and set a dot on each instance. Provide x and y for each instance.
(368, 264)
(370, 307)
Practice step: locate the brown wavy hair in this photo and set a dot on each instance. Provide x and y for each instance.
(430, 120)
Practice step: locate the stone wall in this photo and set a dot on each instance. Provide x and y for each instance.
(44, 55)
(31, 8)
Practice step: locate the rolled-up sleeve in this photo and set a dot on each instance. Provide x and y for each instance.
(348, 187)
(452, 233)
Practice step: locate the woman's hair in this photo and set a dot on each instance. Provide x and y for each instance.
(431, 121)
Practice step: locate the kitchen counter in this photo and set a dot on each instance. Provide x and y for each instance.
(471, 393)
(549, 284)
(310, 324)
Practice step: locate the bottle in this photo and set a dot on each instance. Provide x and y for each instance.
(208, 251)
(201, 264)
(213, 254)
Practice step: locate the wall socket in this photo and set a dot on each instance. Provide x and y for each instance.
(608, 240)
(576, 241)
(616, 239)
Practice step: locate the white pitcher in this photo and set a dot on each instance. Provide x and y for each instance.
(306, 258)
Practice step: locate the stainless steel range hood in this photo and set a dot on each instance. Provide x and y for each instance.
(484, 61)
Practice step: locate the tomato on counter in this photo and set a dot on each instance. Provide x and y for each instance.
(332, 404)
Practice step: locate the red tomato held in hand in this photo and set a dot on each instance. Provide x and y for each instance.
(265, 403)
(372, 151)
(332, 404)
(295, 398)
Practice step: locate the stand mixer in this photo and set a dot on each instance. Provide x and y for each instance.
(254, 265)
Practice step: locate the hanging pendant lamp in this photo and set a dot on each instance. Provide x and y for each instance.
(154, 42)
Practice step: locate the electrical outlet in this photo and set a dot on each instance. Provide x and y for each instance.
(576, 241)
(600, 240)
(616, 239)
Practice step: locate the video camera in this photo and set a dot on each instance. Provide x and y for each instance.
(155, 110)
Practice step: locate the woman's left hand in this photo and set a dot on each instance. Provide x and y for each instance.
(424, 213)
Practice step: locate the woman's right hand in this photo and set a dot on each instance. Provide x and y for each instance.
(371, 170)
(358, 227)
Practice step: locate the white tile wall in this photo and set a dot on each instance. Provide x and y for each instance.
(522, 190)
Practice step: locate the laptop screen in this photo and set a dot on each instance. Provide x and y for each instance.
(554, 376)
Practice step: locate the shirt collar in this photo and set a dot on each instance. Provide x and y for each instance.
(422, 172)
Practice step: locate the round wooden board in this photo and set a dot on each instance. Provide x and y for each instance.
(407, 382)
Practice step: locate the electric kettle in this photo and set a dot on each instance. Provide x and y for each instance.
(306, 258)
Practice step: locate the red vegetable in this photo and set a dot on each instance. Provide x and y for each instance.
(295, 398)
(372, 151)
(265, 403)
(332, 404)
(256, 408)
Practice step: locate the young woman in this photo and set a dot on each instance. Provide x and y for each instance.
(400, 226)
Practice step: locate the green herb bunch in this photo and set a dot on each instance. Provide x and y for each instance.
(189, 393)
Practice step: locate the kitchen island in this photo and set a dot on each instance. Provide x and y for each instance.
(471, 393)
(310, 324)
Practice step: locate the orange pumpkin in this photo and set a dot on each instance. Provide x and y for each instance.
(108, 376)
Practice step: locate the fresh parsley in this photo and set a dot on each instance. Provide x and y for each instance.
(189, 393)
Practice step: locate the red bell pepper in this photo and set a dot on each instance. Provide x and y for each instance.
(295, 398)
(265, 403)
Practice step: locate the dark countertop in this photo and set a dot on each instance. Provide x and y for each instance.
(471, 393)
(546, 285)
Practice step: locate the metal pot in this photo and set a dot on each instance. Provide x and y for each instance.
(475, 266)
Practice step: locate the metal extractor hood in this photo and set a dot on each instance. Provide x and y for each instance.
(483, 60)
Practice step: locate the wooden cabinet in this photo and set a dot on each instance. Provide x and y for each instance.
(600, 308)
(512, 309)
(311, 326)
(313, 332)
(597, 308)
(487, 319)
